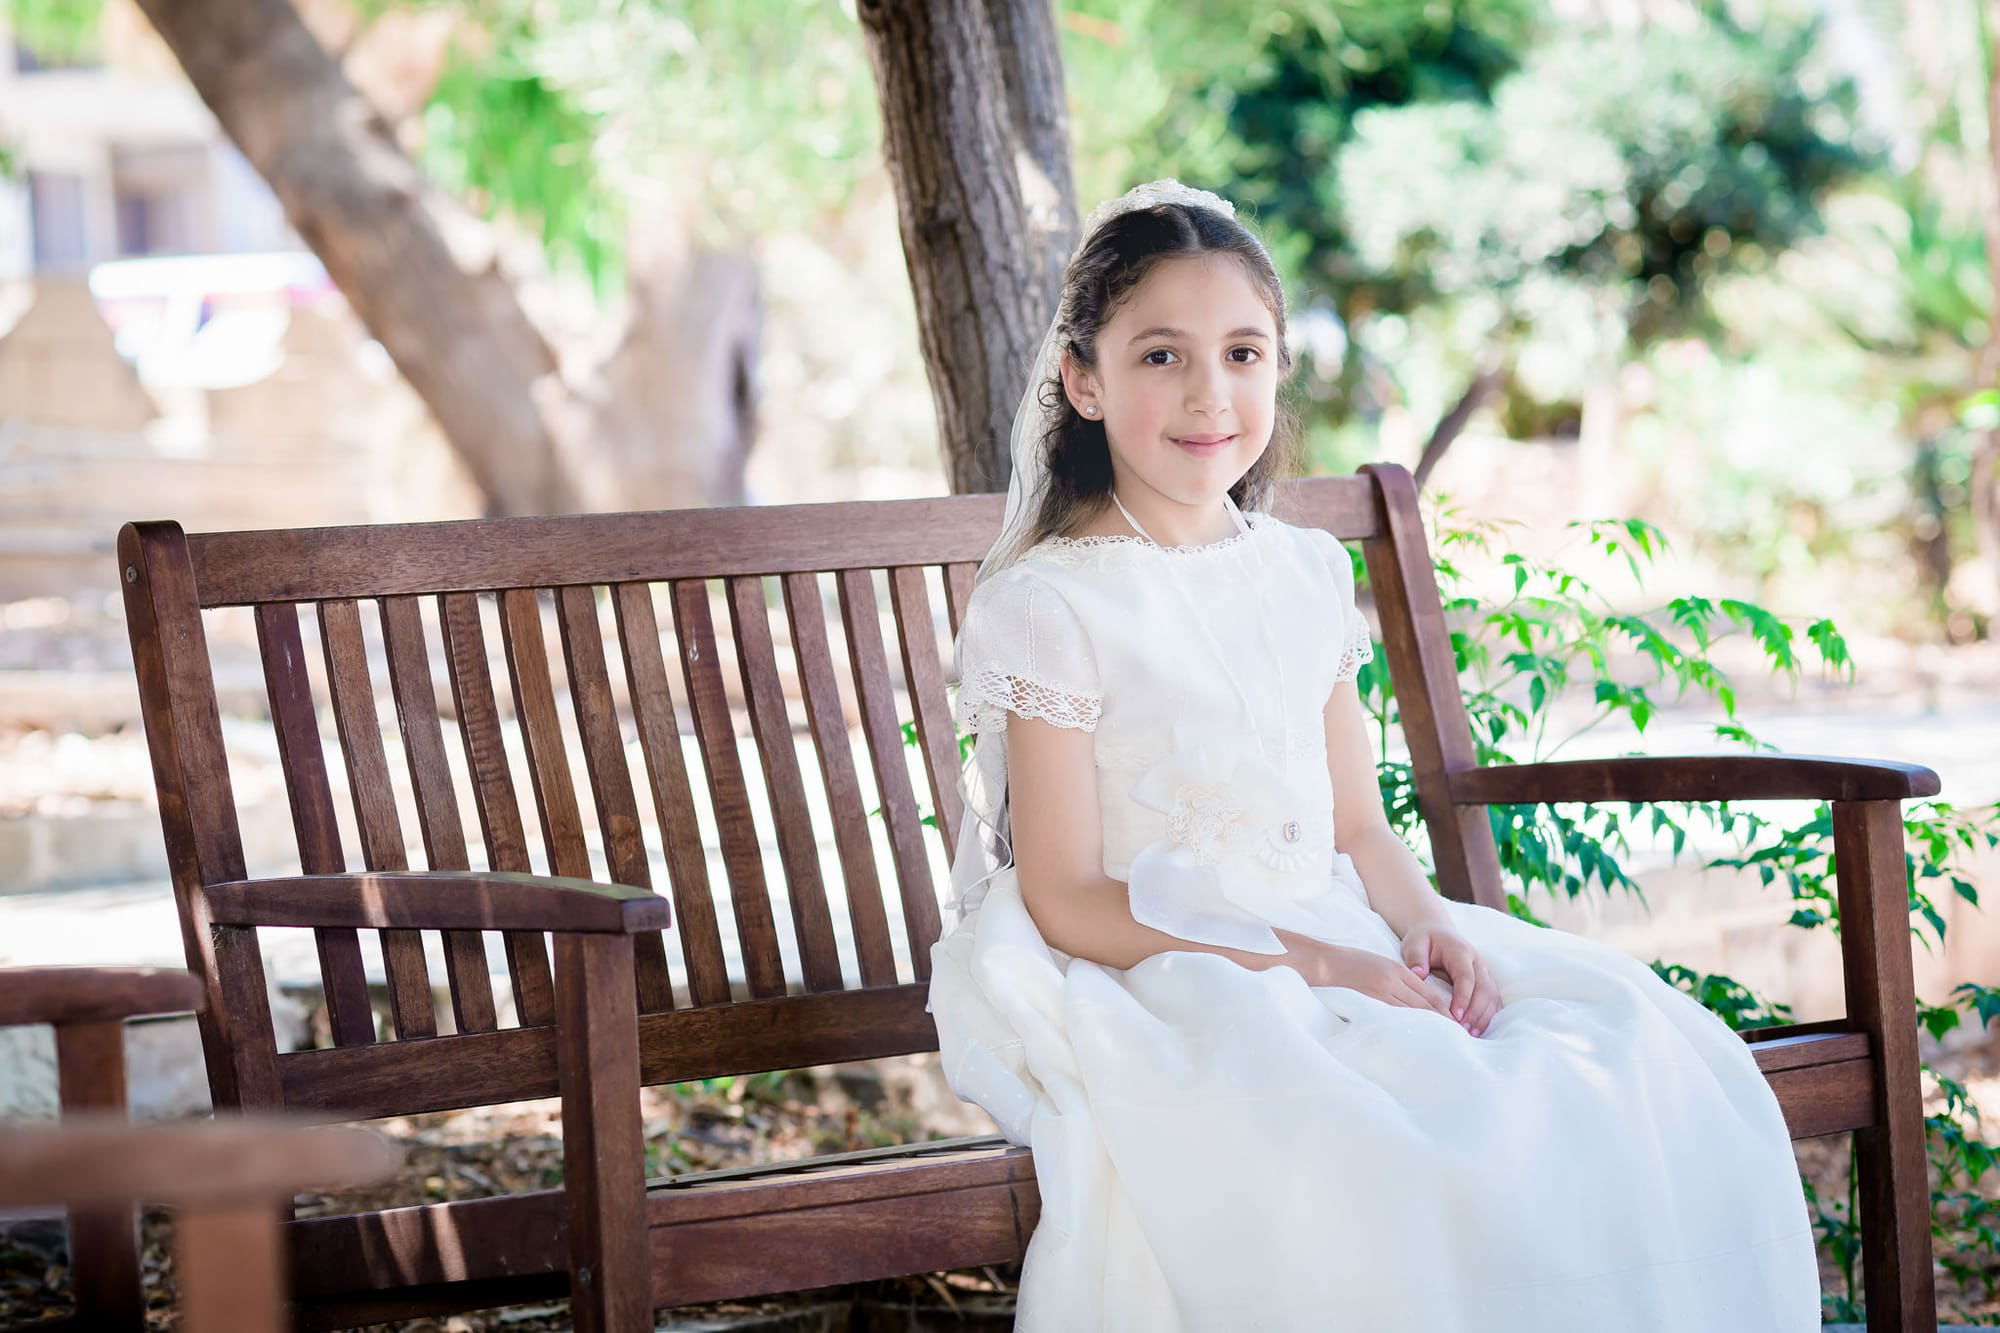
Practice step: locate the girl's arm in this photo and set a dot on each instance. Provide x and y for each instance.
(1396, 884)
(1058, 842)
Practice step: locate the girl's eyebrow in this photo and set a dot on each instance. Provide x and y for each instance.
(1162, 331)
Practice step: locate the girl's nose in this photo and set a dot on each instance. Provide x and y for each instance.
(1207, 391)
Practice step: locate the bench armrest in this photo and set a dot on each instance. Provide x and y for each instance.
(67, 995)
(439, 900)
(1730, 777)
(98, 1159)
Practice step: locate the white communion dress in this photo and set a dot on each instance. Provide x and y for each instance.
(1222, 1149)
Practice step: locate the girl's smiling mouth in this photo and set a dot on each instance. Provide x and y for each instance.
(1202, 444)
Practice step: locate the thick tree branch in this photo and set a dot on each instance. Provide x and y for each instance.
(417, 271)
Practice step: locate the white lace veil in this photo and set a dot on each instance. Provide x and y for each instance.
(984, 848)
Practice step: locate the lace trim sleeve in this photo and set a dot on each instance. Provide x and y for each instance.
(1359, 648)
(1022, 649)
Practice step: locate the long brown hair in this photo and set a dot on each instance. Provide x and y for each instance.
(1103, 273)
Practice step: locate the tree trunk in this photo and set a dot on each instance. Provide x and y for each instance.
(1024, 38)
(958, 148)
(417, 270)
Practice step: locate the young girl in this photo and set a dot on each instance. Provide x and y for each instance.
(1271, 1078)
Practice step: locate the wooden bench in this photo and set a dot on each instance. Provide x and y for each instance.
(395, 606)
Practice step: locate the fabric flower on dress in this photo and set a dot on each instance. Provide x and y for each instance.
(1236, 830)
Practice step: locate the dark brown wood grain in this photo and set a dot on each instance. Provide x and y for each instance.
(1421, 665)
(184, 741)
(610, 775)
(436, 794)
(295, 722)
(729, 798)
(87, 1007)
(382, 846)
(493, 791)
(1894, 1177)
(430, 899)
(659, 730)
(103, 1233)
(99, 1157)
(805, 614)
(228, 1182)
(923, 674)
(771, 724)
(709, 1041)
(882, 729)
(604, 1147)
(1720, 777)
(63, 995)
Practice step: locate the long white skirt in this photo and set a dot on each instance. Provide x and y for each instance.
(1221, 1149)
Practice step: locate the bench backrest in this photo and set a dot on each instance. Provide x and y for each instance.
(473, 633)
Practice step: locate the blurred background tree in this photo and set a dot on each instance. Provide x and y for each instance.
(1755, 236)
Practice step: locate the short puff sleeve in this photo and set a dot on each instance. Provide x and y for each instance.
(1353, 643)
(1021, 648)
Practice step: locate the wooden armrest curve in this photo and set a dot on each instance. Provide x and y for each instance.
(66, 995)
(1722, 777)
(439, 900)
(103, 1158)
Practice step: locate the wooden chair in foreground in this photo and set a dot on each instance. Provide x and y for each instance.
(229, 1180)
(88, 1007)
(403, 606)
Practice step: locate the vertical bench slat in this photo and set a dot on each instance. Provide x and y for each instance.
(493, 790)
(958, 580)
(673, 799)
(715, 729)
(806, 615)
(437, 800)
(541, 733)
(360, 729)
(610, 776)
(342, 977)
(869, 663)
(937, 738)
(798, 848)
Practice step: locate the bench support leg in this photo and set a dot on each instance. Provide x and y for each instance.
(604, 1149)
(1898, 1287)
(103, 1238)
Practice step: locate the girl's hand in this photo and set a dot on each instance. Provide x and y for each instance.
(1323, 964)
(1474, 996)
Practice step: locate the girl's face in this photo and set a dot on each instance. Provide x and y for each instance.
(1186, 382)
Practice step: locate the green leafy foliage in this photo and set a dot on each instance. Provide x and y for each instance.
(1548, 635)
